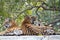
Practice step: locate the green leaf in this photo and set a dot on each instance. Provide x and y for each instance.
(29, 12)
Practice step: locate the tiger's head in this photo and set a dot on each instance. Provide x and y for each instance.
(8, 23)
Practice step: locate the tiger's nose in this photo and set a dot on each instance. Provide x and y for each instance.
(6, 26)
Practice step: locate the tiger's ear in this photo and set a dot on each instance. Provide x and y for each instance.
(27, 17)
(13, 21)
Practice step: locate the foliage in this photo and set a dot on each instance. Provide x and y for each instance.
(19, 8)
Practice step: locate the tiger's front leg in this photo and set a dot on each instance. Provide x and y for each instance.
(3, 32)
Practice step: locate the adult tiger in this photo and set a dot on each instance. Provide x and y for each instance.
(11, 28)
(30, 29)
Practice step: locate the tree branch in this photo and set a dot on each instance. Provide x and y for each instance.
(26, 10)
(44, 8)
(54, 22)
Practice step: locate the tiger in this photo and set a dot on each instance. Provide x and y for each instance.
(11, 28)
(30, 29)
